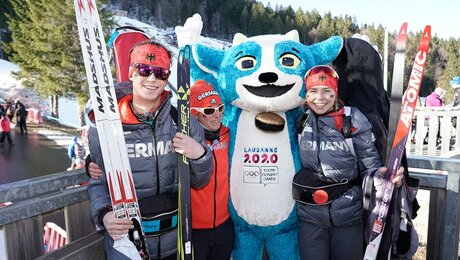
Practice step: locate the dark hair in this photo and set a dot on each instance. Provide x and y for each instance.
(152, 41)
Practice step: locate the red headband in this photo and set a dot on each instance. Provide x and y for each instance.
(150, 54)
(322, 76)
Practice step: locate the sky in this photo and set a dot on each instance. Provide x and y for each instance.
(442, 15)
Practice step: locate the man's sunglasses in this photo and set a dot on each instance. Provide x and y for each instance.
(326, 69)
(147, 70)
(209, 110)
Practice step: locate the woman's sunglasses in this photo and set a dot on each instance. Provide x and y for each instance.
(209, 110)
(147, 70)
(326, 69)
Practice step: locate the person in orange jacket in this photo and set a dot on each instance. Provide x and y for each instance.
(211, 223)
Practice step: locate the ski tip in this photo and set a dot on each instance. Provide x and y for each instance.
(402, 36)
(425, 38)
(403, 29)
(427, 31)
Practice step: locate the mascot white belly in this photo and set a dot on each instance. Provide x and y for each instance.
(261, 173)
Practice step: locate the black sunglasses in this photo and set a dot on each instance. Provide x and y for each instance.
(147, 70)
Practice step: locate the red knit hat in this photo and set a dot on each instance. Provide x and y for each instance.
(150, 54)
(322, 76)
(203, 95)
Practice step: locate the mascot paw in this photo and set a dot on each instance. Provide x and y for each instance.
(189, 33)
(269, 122)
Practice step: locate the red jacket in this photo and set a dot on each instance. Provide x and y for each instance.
(5, 125)
(210, 203)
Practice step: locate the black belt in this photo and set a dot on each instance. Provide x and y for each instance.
(321, 195)
(160, 223)
(159, 213)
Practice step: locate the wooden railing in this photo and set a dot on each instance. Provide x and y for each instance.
(22, 222)
(441, 176)
(433, 133)
(59, 196)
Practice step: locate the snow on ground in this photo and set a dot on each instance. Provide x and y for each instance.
(61, 139)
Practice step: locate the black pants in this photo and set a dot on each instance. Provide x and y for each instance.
(7, 135)
(333, 243)
(216, 243)
(23, 126)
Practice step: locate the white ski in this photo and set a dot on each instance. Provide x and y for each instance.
(110, 131)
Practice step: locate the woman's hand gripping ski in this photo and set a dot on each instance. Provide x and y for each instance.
(397, 180)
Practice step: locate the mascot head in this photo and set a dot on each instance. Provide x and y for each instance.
(264, 73)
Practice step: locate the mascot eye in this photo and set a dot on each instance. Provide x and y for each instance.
(289, 60)
(245, 63)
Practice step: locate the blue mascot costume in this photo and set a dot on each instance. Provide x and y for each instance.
(260, 80)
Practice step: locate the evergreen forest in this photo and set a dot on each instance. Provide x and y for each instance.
(41, 37)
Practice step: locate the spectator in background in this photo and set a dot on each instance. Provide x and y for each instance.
(435, 98)
(455, 103)
(9, 111)
(455, 83)
(21, 117)
(77, 154)
(17, 102)
(2, 109)
(5, 129)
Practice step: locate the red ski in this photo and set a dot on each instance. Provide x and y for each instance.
(394, 162)
(110, 131)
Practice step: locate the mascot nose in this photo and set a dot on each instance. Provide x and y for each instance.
(268, 77)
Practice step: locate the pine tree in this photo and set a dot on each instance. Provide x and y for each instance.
(46, 47)
(325, 27)
(452, 68)
(5, 36)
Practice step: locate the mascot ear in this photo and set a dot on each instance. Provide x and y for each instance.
(326, 51)
(238, 38)
(293, 35)
(207, 59)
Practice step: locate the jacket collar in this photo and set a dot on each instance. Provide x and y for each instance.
(127, 114)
